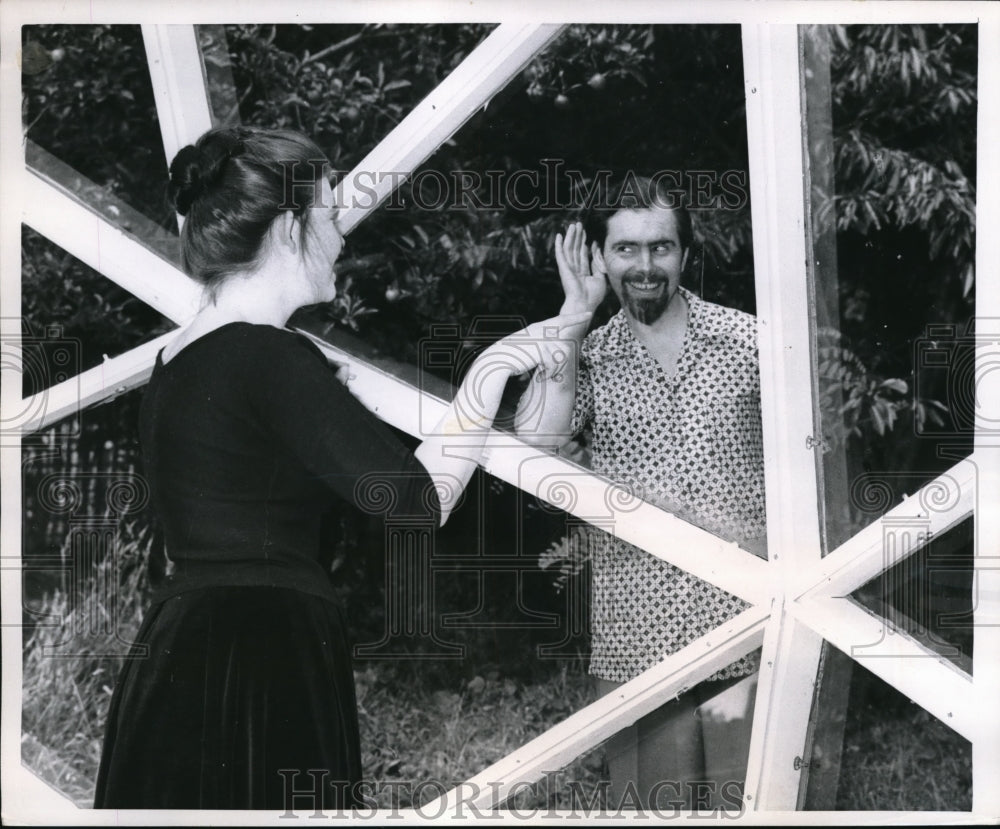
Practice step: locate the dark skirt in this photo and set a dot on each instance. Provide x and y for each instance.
(245, 694)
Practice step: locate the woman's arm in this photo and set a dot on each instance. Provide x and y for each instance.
(454, 447)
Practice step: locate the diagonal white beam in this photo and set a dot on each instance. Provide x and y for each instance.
(108, 249)
(915, 670)
(178, 79)
(596, 500)
(936, 507)
(483, 73)
(613, 507)
(590, 726)
(111, 378)
(60, 216)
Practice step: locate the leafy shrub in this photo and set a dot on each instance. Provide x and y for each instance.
(89, 101)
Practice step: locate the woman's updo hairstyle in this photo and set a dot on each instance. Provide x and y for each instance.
(230, 185)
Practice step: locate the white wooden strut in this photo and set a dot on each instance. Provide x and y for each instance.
(986, 650)
(178, 79)
(784, 312)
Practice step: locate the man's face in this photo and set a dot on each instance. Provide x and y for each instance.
(644, 260)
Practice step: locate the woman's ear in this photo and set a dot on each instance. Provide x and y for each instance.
(285, 230)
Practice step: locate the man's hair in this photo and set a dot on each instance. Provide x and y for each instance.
(632, 192)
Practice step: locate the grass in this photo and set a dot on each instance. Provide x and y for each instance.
(420, 724)
(897, 757)
(72, 657)
(442, 737)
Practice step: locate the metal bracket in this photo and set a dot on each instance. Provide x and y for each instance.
(813, 442)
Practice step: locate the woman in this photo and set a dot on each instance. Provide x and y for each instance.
(239, 689)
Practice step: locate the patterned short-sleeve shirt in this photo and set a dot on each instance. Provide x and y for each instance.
(692, 439)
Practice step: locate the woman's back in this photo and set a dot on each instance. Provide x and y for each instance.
(246, 434)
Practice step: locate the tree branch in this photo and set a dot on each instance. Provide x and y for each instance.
(334, 47)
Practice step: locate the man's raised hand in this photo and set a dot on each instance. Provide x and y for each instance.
(584, 290)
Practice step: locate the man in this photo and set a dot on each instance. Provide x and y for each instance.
(669, 389)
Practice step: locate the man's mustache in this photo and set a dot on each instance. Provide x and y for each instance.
(644, 276)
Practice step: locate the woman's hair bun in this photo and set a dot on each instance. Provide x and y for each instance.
(187, 179)
(197, 167)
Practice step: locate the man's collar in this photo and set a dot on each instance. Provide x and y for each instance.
(695, 305)
(622, 337)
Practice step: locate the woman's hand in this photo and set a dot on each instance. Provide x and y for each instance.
(454, 447)
(344, 372)
(550, 345)
(584, 290)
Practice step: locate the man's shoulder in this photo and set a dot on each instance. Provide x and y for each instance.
(606, 337)
(723, 322)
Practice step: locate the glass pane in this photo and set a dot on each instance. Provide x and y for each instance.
(929, 595)
(464, 248)
(416, 749)
(891, 137)
(223, 100)
(877, 750)
(690, 753)
(88, 101)
(438, 269)
(346, 86)
(85, 546)
(489, 632)
(489, 645)
(72, 316)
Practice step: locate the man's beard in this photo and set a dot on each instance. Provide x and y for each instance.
(646, 309)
